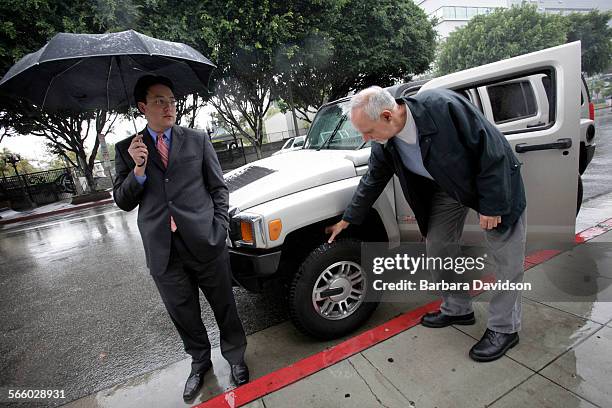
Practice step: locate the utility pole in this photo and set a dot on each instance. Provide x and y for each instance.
(13, 159)
(100, 121)
(295, 123)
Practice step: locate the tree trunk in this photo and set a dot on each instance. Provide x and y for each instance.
(100, 122)
(106, 164)
(257, 146)
(91, 183)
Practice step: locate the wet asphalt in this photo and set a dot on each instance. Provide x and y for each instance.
(80, 312)
(596, 178)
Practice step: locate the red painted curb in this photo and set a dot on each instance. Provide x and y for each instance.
(593, 232)
(539, 257)
(310, 365)
(50, 213)
(278, 379)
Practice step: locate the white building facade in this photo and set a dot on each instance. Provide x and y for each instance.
(452, 14)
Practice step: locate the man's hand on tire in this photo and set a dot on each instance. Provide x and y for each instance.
(335, 230)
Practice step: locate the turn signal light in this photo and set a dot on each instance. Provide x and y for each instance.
(274, 228)
(246, 230)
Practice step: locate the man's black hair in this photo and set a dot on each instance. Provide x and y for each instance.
(147, 81)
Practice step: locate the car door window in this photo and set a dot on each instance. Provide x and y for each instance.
(512, 101)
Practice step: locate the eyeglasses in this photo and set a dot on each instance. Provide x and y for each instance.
(163, 102)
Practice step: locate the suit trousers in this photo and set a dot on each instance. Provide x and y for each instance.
(179, 288)
(507, 250)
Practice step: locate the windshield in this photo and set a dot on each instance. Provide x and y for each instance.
(287, 144)
(327, 119)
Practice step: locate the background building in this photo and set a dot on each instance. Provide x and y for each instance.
(452, 14)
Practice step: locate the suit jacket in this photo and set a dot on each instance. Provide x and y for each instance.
(468, 157)
(191, 189)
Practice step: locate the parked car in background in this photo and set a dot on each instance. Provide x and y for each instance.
(279, 206)
(295, 143)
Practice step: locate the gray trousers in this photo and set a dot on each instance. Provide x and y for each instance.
(507, 251)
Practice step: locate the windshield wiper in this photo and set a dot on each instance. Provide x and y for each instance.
(333, 133)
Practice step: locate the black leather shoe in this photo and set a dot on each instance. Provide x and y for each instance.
(439, 319)
(240, 374)
(493, 345)
(194, 383)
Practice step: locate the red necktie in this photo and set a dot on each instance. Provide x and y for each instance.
(162, 149)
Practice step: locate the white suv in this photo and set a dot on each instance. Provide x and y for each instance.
(279, 206)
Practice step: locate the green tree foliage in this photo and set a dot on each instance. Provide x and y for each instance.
(502, 34)
(244, 37)
(59, 162)
(595, 34)
(111, 152)
(31, 25)
(7, 169)
(600, 88)
(63, 133)
(177, 21)
(348, 45)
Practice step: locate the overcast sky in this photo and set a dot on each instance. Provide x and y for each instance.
(33, 147)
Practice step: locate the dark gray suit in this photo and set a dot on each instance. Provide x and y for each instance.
(193, 192)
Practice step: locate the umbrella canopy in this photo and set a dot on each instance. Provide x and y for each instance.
(80, 72)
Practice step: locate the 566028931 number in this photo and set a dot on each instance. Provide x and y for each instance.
(33, 394)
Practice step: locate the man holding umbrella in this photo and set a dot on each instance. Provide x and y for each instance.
(173, 174)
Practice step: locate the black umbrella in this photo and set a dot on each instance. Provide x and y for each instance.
(80, 72)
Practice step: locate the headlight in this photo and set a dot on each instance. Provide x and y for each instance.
(247, 230)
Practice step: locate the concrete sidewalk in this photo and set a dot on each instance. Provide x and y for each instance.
(564, 358)
(9, 216)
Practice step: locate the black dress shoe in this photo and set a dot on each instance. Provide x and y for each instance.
(194, 383)
(439, 319)
(240, 374)
(493, 345)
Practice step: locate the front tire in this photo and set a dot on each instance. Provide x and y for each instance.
(327, 298)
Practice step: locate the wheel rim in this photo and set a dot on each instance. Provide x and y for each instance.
(344, 275)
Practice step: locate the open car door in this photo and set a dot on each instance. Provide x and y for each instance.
(534, 100)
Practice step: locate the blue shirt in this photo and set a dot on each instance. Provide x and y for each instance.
(411, 157)
(407, 143)
(167, 138)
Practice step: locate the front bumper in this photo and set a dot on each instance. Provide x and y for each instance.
(249, 269)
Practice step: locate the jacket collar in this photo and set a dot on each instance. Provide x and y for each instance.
(425, 124)
(178, 137)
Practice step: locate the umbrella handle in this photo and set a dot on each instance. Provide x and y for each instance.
(136, 132)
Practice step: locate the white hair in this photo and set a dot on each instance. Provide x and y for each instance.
(373, 100)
